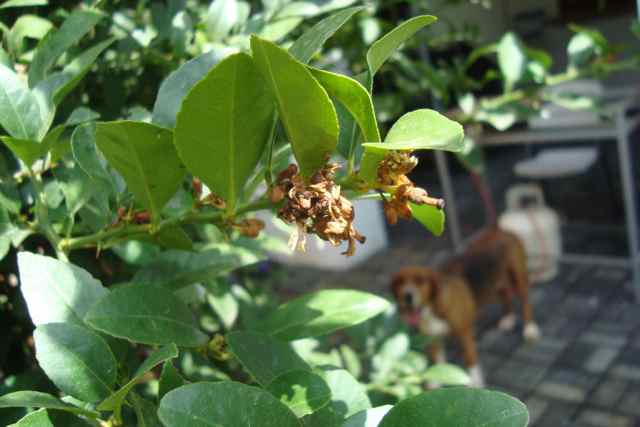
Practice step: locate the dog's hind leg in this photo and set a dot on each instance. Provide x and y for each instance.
(531, 330)
(508, 320)
(470, 355)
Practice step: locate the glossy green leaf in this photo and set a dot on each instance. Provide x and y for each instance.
(322, 312)
(302, 391)
(114, 402)
(36, 399)
(176, 86)
(27, 26)
(146, 412)
(348, 397)
(56, 291)
(25, 149)
(307, 113)
(81, 115)
(459, 407)
(368, 417)
(354, 97)
(88, 158)
(58, 85)
(78, 361)
(384, 47)
(39, 418)
(224, 125)
(145, 314)
(76, 188)
(170, 379)
(23, 3)
(447, 374)
(176, 269)
(58, 42)
(145, 157)
(417, 130)
(313, 39)
(220, 19)
(250, 349)
(24, 114)
(223, 404)
(432, 218)
(511, 59)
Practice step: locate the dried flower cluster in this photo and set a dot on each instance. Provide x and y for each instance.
(315, 207)
(250, 227)
(392, 172)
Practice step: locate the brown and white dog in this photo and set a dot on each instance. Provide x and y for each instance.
(445, 302)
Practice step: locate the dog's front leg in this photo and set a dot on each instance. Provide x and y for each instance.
(470, 355)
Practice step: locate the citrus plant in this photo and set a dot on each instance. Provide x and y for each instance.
(230, 135)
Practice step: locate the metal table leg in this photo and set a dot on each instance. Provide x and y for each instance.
(630, 202)
(453, 221)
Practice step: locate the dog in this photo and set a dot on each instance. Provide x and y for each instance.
(445, 302)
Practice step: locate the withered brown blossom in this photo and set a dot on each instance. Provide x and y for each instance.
(392, 174)
(316, 207)
(250, 227)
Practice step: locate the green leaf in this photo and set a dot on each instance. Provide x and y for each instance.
(58, 42)
(23, 3)
(384, 47)
(176, 269)
(424, 129)
(169, 379)
(27, 26)
(447, 374)
(56, 291)
(368, 417)
(417, 130)
(24, 114)
(313, 39)
(25, 149)
(234, 404)
(302, 391)
(511, 59)
(58, 85)
(39, 418)
(77, 360)
(307, 113)
(348, 397)
(77, 189)
(114, 402)
(220, 19)
(432, 218)
(224, 125)
(354, 97)
(145, 157)
(250, 349)
(83, 147)
(472, 156)
(146, 412)
(36, 399)
(322, 312)
(81, 115)
(146, 314)
(459, 407)
(175, 87)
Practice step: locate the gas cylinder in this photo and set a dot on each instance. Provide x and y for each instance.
(538, 226)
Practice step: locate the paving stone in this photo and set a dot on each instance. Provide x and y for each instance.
(630, 403)
(603, 339)
(544, 351)
(581, 306)
(600, 360)
(564, 327)
(557, 414)
(625, 371)
(522, 376)
(567, 385)
(578, 354)
(608, 393)
(611, 275)
(597, 418)
(536, 406)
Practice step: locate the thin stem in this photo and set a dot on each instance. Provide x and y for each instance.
(125, 231)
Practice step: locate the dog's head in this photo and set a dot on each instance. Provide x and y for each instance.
(415, 288)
